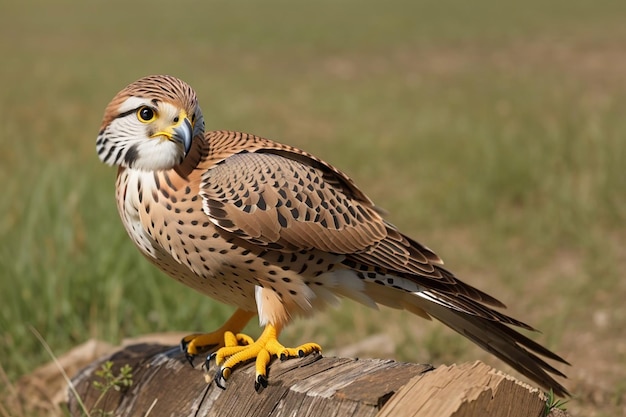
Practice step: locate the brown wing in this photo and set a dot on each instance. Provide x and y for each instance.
(327, 210)
(288, 205)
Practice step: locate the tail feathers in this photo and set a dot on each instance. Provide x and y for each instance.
(488, 328)
(502, 341)
(467, 305)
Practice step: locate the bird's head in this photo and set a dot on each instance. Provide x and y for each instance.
(150, 124)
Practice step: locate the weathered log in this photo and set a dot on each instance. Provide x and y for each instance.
(165, 385)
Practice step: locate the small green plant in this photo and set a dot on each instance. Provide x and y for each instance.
(122, 381)
(553, 403)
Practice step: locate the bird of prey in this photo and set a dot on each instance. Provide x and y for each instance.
(278, 232)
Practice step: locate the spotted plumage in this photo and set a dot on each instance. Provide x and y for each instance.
(273, 230)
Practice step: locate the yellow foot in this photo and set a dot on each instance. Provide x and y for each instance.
(227, 335)
(262, 350)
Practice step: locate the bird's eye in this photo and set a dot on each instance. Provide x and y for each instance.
(146, 114)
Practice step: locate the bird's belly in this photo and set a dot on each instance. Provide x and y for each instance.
(233, 272)
(209, 272)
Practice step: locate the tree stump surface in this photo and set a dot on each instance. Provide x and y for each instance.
(164, 384)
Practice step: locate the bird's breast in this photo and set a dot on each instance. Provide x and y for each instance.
(163, 215)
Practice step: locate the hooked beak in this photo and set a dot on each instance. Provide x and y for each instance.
(183, 133)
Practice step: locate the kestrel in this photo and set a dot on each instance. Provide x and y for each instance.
(276, 231)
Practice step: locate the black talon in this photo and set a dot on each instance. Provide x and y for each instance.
(190, 359)
(301, 353)
(261, 381)
(283, 357)
(207, 361)
(219, 377)
(183, 348)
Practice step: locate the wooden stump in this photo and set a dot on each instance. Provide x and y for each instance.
(165, 385)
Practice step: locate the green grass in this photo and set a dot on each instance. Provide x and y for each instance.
(492, 132)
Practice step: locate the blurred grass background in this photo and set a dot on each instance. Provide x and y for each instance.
(491, 131)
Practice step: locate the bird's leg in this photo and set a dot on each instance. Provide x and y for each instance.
(227, 335)
(262, 350)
